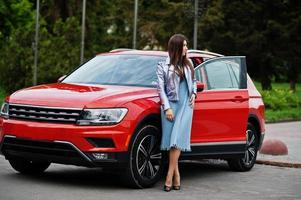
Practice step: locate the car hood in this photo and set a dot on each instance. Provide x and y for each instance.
(80, 95)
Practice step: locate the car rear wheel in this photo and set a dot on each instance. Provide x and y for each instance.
(28, 166)
(252, 142)
(145, 165)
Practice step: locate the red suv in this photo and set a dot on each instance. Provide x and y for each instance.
(106, 113)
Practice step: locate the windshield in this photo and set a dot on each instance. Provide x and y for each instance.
(137, 70)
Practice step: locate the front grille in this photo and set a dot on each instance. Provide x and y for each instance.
(59, 152)
(41, 147)
(40, 113)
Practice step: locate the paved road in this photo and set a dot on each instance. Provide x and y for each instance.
(200, 180)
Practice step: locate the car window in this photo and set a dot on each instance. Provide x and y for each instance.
(197, 61)
(222, 75)
(234, 74)
(136, 70)
(198, 75)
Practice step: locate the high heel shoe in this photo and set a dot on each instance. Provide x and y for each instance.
(176, 187)
(167, 188)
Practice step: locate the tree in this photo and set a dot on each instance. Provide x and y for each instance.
(16, 33)
(291, 49)
(254, 28)
(267, 32)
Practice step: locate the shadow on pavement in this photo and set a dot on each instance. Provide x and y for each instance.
(203, 168)
(95, 178)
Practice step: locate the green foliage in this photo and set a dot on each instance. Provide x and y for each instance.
(2, 95)
(13, 14)
(267, 32)
(15, 45)
(158, 20)
(283, 115)
(281, 110)
(264, 31)
(280, 99)
(58, 51)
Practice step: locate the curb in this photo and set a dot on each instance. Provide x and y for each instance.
(279, 163)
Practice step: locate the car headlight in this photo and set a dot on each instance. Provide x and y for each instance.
(4, 110)
(101, 116)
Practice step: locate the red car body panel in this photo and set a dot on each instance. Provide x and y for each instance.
(140, 102)
(256, 105)
(78, 96)
(220, 117)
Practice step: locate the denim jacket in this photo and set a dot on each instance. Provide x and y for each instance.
(168, 87)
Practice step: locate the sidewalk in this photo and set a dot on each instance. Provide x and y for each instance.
(290, 134)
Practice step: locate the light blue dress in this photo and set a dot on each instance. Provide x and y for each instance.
(176, 133)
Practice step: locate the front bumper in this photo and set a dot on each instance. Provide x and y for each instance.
(57, 152)
(77, 135)
(66, 143)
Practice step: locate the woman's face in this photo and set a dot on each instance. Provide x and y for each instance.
(185, 48)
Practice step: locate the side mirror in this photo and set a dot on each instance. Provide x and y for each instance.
(61, 78)
(200, 86)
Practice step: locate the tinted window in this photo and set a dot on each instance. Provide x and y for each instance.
(198, 75)
(222, 75)
(138, 70)
(234, 74)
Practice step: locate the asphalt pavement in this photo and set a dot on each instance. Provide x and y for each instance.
(207, 179)
(199, 181)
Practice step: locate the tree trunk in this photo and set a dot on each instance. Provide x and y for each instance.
(266, 83)
(293, 73)
(266, 71)
(293, 85)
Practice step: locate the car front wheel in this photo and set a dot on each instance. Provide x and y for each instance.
(247, 162)
(145, 165)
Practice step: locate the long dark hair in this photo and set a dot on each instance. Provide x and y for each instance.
(175, 49)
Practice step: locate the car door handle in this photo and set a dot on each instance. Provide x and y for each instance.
(238, 99)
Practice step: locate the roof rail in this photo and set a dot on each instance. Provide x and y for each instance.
(205, 52)
(121, 49)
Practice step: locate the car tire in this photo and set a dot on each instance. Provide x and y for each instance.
(247, 163)
(146, 161)
(28, 166)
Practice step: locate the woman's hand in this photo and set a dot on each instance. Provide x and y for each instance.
(169, 114)
(191, 100)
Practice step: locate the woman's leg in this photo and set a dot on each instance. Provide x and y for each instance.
(173, 168)
(176, 176)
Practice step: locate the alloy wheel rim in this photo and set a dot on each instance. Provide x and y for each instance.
(250, 152)
(148, 158)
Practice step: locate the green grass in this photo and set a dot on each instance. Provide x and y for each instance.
(283, 86)
(283, 114)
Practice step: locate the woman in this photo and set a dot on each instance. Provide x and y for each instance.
(177, 91)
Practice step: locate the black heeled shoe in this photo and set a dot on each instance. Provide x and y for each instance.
(176, 187)
(167, 188)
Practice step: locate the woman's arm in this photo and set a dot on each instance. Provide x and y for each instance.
(194, 87)
(160, 86)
